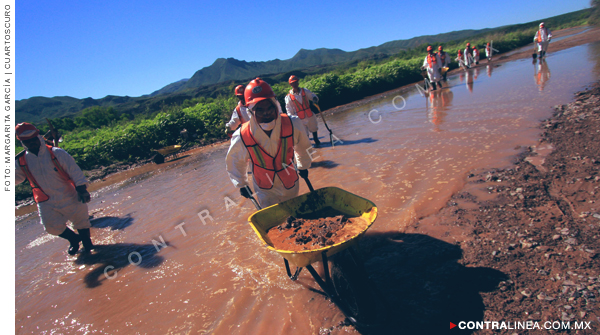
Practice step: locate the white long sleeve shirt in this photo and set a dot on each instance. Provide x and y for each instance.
(47, 177)
(289, 105)
(433, 70)
(238, 156)
(235, 117)
(446, 61)
(545, 33)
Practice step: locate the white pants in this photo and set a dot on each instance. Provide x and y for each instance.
(310, 124)
(55, 217)
(543, 46)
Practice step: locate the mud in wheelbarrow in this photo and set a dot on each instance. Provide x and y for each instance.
(348, 285)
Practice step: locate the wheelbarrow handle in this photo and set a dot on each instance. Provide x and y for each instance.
(253, 199)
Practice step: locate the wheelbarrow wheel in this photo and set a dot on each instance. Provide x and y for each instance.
(352, 286)
(158, 158)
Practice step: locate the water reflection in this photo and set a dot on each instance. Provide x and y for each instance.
(440, 102)
(541, 73)
(488, 70)
(469, 75)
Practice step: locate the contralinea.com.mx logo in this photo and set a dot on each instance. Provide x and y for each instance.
(523, 325)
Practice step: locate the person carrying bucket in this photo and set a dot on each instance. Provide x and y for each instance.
(445, 58)
(59, 187)
(542, 37)
(240, 113)
(433, 65)
(297, 104)
(274, 142)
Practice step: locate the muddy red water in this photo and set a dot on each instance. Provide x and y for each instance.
(176, 255)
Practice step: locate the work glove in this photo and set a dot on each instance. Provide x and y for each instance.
(303, 173)
(245, 192)
(82, 194)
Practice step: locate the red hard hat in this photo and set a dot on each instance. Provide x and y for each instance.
(474, 47)
(542, 24)
(293, 79)
(258, 90)
(440, 48)
(26, 131)
(488, 43)
(239, 90)
(468, 44)
(430, 48)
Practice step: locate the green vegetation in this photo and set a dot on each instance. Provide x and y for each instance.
(102, 135)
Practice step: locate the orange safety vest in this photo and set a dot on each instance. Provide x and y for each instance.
(487, 50)
(239, 112)
(38, 193)
(539, 39)
(303, 108)
(476, 52)
(431, 60)
(264, 166)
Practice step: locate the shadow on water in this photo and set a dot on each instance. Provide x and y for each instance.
(340, 142)
(115, 223)
(327, 164)
(423, 284)
(114, 257)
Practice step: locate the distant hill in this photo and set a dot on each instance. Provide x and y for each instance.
(232, 69)
(219, 78)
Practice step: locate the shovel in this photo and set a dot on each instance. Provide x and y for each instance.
(325, 122)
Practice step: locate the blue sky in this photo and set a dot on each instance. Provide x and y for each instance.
(131, 47)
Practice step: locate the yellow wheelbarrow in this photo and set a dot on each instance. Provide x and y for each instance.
(347, 284)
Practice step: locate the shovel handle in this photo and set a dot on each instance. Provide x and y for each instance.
(310, 187)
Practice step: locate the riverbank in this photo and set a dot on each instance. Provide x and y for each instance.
(535, 226)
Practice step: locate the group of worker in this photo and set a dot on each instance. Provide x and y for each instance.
(434, 63)
(275, 144)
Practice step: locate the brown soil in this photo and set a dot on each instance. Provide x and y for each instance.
(540, 224)
(322, 229)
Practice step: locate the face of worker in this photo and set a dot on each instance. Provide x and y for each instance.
(32, 145)
(265, 111)
(241, 99)
(294, 85)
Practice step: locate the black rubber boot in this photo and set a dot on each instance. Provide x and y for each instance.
(316, 139)
(433, 87)
(439, 84)
(85, 239)
(73, 238)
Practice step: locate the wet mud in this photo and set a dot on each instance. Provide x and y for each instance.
(298, 234)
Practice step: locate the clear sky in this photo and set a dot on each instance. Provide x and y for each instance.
(96, 48)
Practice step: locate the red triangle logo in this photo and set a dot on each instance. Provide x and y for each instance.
(452, 325)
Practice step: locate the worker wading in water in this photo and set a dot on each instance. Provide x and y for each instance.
(240, 113)
(468, 56)
(59, 187)
(274, 142)
(445, 58)
(297, 103)
(433, 65)
(542, 37)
